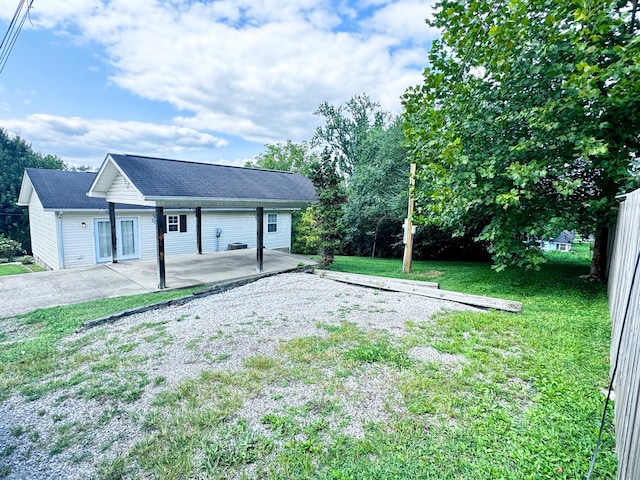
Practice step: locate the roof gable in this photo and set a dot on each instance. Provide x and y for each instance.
(180, 183)
(61, 190)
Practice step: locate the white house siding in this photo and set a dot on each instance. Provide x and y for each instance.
(78, 242)
(44, 239)
(124, 192)
(240, 226)
(177, 243)
(147, 232)
(281, 239)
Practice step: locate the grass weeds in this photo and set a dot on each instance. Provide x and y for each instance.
(30, 344)
(520, 397)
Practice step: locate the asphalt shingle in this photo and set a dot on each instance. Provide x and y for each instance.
(159, 177)
(60, 189)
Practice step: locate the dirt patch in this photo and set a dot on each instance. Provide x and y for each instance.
(429, 274)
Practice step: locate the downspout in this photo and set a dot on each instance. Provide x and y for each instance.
(60, 241)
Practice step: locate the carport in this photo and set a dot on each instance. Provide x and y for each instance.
(162, 183)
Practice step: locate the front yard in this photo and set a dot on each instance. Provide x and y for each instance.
(300, 377)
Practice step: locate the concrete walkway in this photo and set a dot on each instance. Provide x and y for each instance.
(26, 292)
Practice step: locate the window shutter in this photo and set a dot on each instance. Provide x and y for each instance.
(164, 225)
(183, 223)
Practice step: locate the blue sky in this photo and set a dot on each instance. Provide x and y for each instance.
(206, 81)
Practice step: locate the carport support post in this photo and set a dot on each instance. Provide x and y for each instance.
(160, 234)
(199, 228)
(114, 238)
(260, 238)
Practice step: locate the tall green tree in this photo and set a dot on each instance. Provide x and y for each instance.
(297, 158)
(287, 157)
(346, 130)
(527, 122)
(367, 145)
(327, 211)
(377, 193)
(16, 155)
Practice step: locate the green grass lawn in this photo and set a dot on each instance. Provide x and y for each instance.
(525, 404)
(564, 331)
(15, 268)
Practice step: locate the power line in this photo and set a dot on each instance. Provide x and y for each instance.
(15, 27)
(13, 21)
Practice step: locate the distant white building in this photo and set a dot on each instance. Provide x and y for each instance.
(70, 229)
(562, 243)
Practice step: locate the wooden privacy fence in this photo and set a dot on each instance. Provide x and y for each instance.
(624, 308)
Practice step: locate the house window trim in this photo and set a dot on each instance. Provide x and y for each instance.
(272, 223)
(180, 224)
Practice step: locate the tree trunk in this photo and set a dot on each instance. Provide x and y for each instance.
(326, 257)
(598, 268)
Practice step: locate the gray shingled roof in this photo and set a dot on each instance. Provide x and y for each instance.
(158, 177)
(59, 189)
(565, 237)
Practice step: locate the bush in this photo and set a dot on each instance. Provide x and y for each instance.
(26, 260)
(9, 248)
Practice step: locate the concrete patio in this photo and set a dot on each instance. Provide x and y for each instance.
(23, 293)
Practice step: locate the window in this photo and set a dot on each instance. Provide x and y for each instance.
(272, 222)
(172, 223)
(176, 223)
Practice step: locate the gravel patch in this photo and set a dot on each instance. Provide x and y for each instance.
(65, 435)
(430, 354)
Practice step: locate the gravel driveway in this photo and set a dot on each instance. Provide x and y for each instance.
(72, 430)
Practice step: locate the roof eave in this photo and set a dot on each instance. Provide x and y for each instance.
(225, 202)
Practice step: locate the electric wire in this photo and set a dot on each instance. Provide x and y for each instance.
(615, 370)
(12, 33)
(4, 56)
(9, 49)
(13, 20)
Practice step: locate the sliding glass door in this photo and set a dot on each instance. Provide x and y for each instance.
(126, 235)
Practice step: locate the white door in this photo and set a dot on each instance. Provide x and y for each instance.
(126, 235)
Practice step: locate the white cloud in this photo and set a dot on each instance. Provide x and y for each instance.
(256, 69)
(99, 136)
(405, 21)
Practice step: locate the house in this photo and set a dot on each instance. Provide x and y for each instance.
(562, 243)
(205, 208)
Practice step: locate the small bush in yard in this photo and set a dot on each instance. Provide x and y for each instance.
(26, 260)
(9, 248)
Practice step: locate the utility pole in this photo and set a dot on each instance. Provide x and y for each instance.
(409, 228)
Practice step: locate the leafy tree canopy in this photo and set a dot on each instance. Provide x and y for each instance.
(527, 122)
(347, 128)
(287, 157)
(377, 193)
(15, 156)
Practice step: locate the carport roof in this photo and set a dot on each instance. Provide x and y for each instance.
(163, 182)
